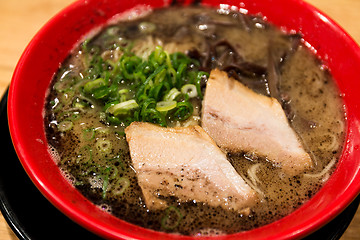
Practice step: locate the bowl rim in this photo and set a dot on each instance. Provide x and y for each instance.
(305, 228)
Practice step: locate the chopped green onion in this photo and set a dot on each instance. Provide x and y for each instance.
(89, 134)
(171, 218)
(113, 120)
(190, 90)
(172, 75)
(184, 111)
(115, 172)
(154, 116)
(90, 86)
(200, 76)
(101, 92)
(103, 145)
(116, 161)
(84, 155)
(131, 88)
(160, 76)
(122, 98)
(65, 126)
(171, 95)
(180, 74)
(159, 55)
(120, 186)
(123, 91)
(164, 106)
(155, 91)
(147, 104)
(123, 107)
(108, 105)
(80, 103)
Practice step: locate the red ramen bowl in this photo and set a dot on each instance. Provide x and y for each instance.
(52, 44)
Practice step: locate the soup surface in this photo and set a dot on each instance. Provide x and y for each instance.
(86, 132)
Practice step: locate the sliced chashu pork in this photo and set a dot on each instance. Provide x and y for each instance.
(238, 119)
(186, 163)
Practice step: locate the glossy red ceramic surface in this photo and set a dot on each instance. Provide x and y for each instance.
(52, 44)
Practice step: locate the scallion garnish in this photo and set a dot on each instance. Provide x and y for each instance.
(65, 126)
(93, 85)
(190, 90)
(84, 155)
(165, 106)
(171, 218)
(156, 89)
(103, 145)
(120, 186)
(89, 134)
(123, 108)
(172, 94)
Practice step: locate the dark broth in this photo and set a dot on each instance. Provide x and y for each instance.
(94, 155)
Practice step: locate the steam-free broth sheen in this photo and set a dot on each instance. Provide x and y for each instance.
(86, 132)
